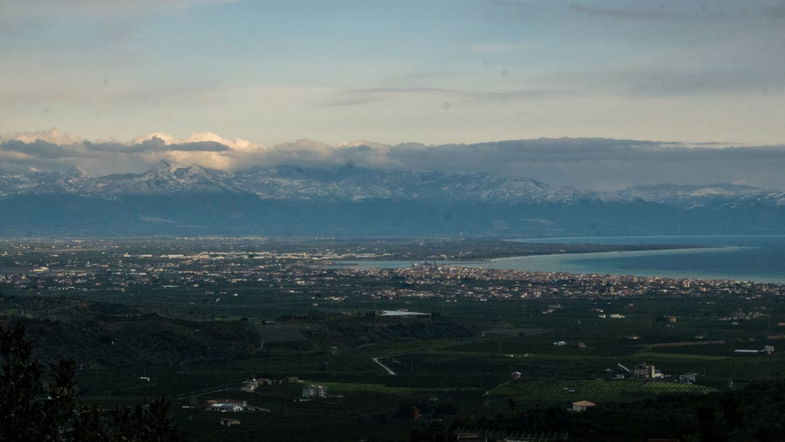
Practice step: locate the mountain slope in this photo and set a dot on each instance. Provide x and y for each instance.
(351, 201)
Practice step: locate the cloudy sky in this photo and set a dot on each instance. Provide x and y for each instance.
(434, 71)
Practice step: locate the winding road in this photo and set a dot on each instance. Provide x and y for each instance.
(386, 368)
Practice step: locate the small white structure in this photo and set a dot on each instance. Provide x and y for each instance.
(769, 349)
(402, 313)
(226, 405)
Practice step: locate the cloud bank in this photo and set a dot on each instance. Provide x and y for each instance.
(588, 163)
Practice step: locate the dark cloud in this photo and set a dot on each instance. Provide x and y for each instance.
(38, 148)
(200, 146)
(588, 163)
(604, 163)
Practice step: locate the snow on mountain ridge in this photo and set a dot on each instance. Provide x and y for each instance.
(349, 183)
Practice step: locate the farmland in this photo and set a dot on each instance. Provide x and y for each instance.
(192, 334)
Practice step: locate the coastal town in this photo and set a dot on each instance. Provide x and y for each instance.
(332, 276)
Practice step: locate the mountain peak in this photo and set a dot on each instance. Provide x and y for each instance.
(163, 165)
(74, 173)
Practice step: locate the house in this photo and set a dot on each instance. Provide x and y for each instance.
(249, 385)
(226, 405)
(644, 371)
(228, 422)
(687, 378)
(314, 391)
(582, 405)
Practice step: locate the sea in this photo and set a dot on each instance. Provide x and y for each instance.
(757, 258)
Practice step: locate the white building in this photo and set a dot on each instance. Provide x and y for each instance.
(314, 391)
(226, 405)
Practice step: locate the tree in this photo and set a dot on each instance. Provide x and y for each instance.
(512, 404)
(34, 409)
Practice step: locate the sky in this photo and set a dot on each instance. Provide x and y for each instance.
(435, 72)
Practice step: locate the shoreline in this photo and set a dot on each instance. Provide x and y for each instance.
(643, 252)
(557, 267)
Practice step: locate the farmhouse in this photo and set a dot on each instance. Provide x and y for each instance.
(582, 405)
(249, 385)
(646, 371)
(688, 378)
(226, 405)
(314, 391)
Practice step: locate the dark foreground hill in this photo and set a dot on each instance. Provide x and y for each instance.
(754, 413)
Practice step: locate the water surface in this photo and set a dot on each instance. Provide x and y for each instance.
(759, 258)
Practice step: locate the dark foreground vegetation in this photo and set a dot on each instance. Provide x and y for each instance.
(39, 403)
(755, 413)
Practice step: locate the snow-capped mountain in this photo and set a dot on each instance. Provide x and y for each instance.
(163, 179)
(295, 183)
(346, 183)
(357, 184)
(41, 182)
(347, 200)
(697, 195)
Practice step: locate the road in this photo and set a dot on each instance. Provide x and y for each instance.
(386, 368)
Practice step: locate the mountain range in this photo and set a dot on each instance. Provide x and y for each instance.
(350, 200)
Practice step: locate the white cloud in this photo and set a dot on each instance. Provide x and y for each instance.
(52, 135)
(198, 137)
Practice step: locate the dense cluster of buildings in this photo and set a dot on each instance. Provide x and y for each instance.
(454, 281)
(215, 274)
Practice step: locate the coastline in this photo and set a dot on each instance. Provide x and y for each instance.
(571, 263)
(645, 252)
